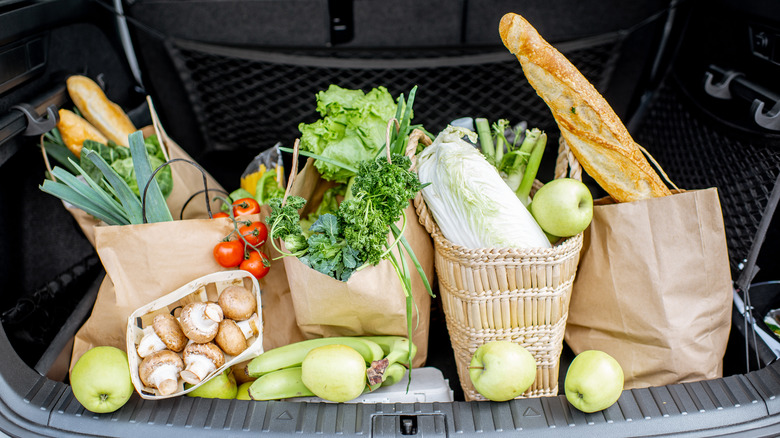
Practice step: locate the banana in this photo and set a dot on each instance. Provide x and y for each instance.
(393, 374)
(293, 354)
(284, 383)
(395, 348)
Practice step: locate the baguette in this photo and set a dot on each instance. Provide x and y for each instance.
(587, 122)
(102, 113)
(74, 130)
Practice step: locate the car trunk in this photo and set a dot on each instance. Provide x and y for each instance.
(231, 79)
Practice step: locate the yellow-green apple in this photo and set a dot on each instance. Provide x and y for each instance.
(502, 370)
(563, 207)
(100, 379)
(594, 381)
(223, 385)
(334, 372)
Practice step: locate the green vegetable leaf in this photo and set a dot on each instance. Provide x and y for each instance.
(156, 208)
(327, 224)
(352, 129)
(121, 189)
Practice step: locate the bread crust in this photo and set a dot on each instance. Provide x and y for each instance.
(74, 130)
(596, 135)
(103, 114)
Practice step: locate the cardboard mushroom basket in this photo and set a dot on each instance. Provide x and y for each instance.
(194, 333)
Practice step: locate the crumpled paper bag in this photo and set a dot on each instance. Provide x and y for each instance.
(654, 288)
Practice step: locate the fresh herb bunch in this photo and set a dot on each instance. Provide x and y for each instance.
(325, 250)
(380, 193)
(284, 222)
(329, 253)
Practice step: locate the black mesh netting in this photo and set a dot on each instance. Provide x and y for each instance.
(246, 103)
(697, 153)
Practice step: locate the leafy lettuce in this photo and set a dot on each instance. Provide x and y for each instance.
(352, 129)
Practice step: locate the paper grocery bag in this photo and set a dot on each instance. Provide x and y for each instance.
(654, 288)
(372, 301)
(148, 261)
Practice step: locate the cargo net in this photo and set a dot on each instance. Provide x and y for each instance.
(241, 102)
(697, 154)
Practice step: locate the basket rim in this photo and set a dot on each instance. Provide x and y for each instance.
(567, 247)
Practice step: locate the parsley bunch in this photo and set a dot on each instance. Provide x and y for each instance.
(380, 193)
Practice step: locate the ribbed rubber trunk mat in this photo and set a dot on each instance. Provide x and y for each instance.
(699, 153)
(252, 99)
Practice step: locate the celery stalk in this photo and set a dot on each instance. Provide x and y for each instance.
(486, 140)
(524, 190)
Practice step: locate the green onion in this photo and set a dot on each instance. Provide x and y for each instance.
(321, 158)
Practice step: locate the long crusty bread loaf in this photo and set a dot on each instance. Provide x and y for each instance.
(103, 114)
(587, 122)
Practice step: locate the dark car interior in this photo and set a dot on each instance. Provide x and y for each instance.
(694, 82)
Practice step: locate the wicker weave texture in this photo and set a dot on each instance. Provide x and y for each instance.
(522, 298)
(518, 295)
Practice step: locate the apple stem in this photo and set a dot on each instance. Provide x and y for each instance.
(476, 368)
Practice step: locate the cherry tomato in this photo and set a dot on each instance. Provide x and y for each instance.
(254, 233)
(229, 254)
(245, 206)
(220, 214)
(256, 264)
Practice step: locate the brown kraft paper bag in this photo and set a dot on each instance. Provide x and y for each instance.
(372, 301)
(653, 288)
(148, 261)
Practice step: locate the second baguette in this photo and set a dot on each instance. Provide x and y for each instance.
(587, 122)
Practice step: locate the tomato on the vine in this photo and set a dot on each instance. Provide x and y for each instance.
(220, 214)
(256, 263)
(229, 254)
(255, 233)
(245, 206)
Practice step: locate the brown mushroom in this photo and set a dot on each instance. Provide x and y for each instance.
(250, 327)
(230, 338)
(161, 370)
(164, 333)
(200, 321)
(200, 360)
(237, 302)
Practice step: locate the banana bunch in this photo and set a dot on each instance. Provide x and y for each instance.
(278, 371)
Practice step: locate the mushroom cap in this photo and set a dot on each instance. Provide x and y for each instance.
(155, 360)
(230, 338)
(208, 349)
(237, 302)
(169, 331)
(199, 321)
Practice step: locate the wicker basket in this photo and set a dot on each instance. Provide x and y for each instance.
(519, 295)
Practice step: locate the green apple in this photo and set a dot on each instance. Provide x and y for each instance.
(100, 379)
(594, 381)
(502, 370)
(334, 372)
(223, 385)
(563, 207)
(243, 391)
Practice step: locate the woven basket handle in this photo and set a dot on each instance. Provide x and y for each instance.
(566, 165)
